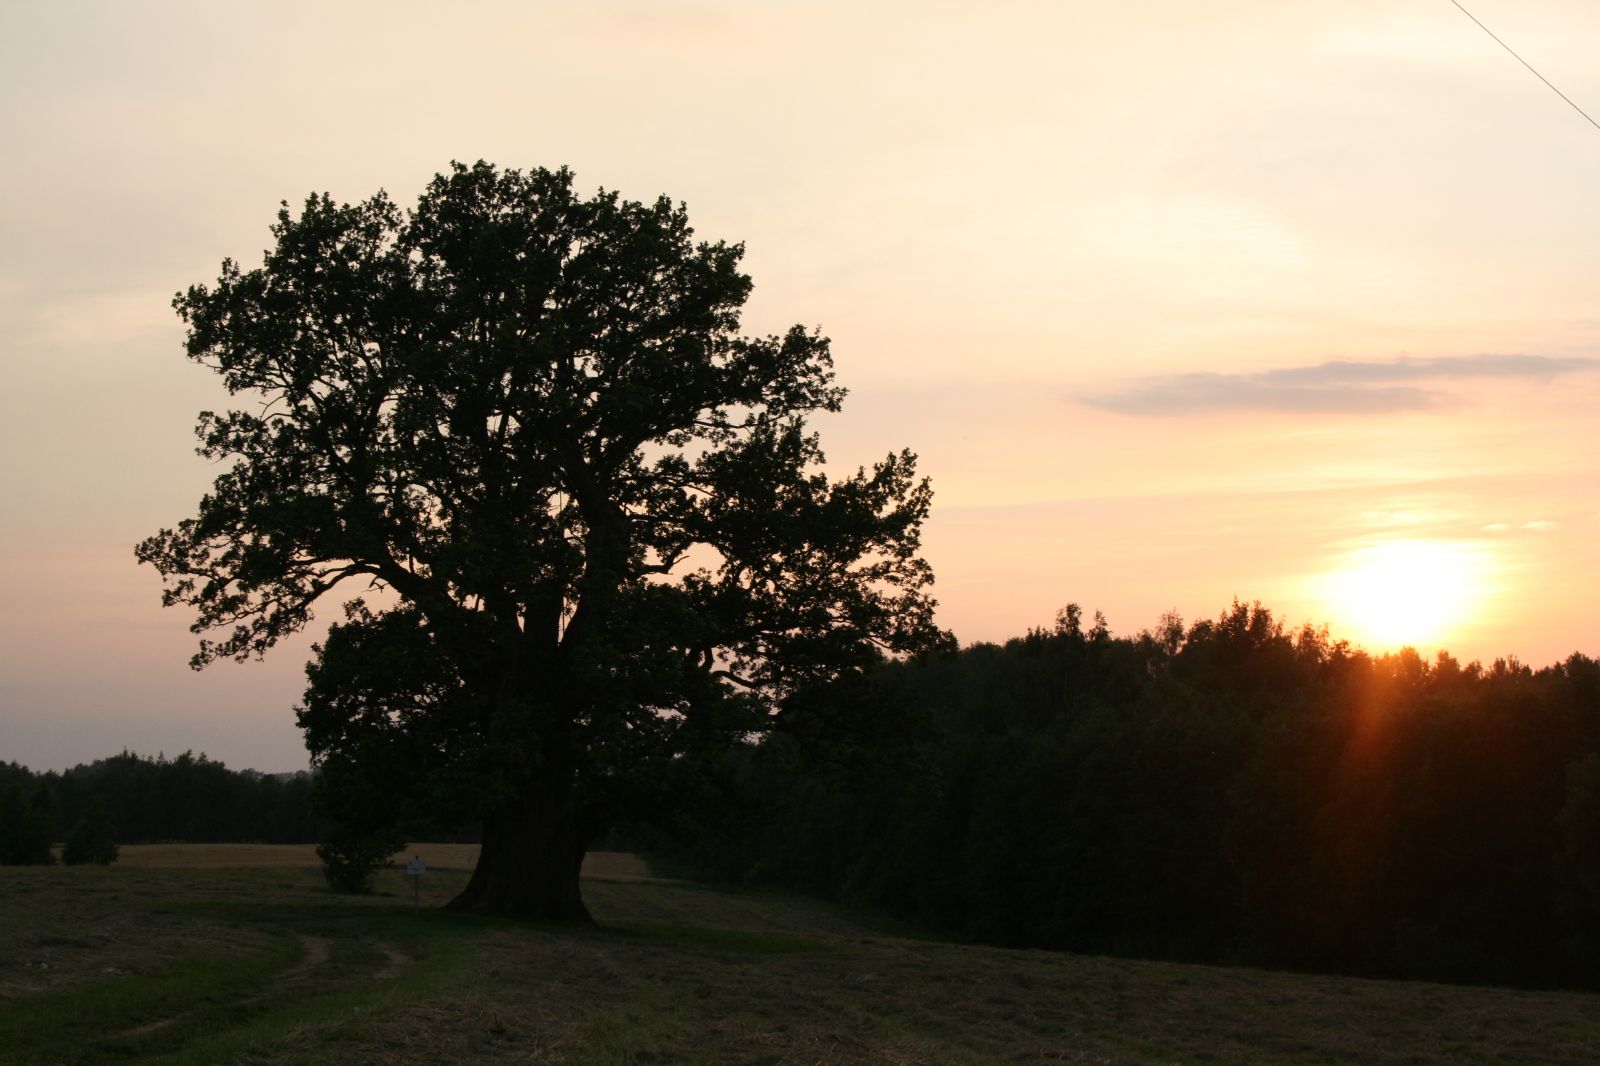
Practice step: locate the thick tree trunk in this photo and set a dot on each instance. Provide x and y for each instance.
(528, 866)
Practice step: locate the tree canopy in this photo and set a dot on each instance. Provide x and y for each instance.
(585, 520)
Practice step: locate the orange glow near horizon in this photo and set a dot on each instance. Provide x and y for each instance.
(1407, 592)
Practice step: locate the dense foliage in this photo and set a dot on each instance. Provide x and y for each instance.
(189, 798)
(1230, 791)
(597, 510)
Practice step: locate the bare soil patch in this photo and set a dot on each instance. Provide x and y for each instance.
(398, 961)
(316, 953)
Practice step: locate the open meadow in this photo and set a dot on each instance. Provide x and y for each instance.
(199, 954)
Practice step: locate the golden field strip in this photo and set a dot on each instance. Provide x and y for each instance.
(202, 954)
(607, 865)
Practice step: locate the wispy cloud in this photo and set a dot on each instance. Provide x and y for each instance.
(1538, 525)
(1335, 387)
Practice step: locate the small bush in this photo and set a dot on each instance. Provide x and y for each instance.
(93, 839)
(350, 857)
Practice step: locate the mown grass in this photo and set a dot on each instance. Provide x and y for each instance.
(266, 966)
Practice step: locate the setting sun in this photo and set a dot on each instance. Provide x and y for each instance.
(1406, 591)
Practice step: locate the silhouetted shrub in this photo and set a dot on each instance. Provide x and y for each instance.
(93, 839)
(351, 857)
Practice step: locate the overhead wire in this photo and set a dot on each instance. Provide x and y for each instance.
(1525, 63)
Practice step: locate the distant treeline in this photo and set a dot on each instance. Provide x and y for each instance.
(1229, 791)
(188, 798)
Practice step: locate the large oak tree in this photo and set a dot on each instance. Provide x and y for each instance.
(583, 517)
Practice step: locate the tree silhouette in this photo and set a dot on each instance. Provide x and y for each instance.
(595, 509)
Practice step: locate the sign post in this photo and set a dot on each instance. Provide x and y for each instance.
(414, 870)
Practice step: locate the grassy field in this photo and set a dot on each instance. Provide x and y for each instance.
(214, 954)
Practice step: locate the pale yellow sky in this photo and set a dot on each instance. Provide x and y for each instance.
(1104, 267)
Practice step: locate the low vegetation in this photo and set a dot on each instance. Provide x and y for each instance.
(225, 959)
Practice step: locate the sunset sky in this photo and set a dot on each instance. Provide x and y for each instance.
(1289, 302)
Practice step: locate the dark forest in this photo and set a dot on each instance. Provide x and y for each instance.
(189, 798)
(1233, 791)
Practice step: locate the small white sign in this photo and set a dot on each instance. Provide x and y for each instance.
(416, 867)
